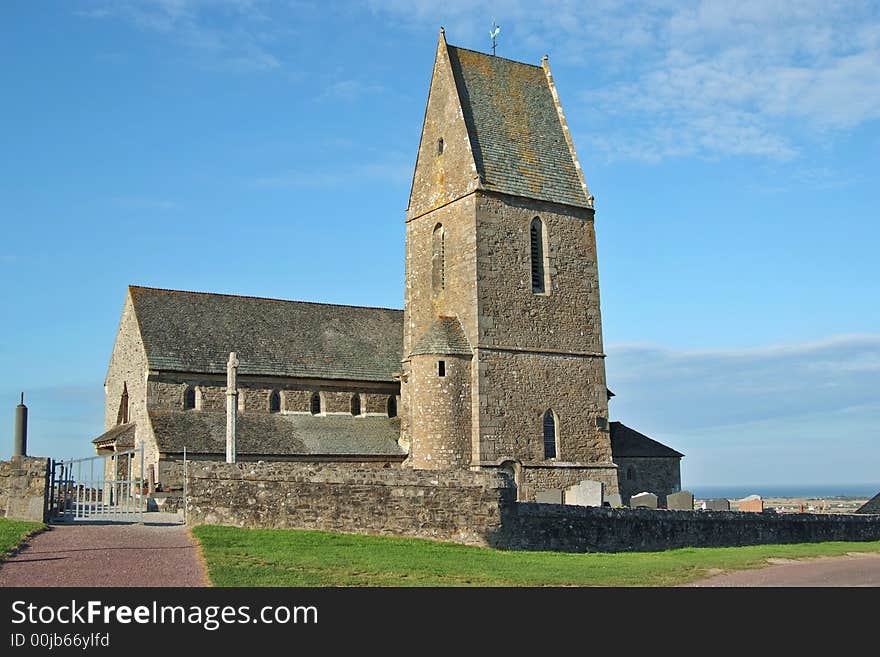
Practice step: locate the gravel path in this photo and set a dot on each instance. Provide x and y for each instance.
(855, 569)
(158, 553)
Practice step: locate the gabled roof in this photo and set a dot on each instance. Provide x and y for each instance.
(626, 442)
(122, 435)
(277, 434)
(444, 336)
(517, 132)
(195, 331)
(871, 506)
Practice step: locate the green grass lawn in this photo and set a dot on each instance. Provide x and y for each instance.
(14, 532)
(285, 557)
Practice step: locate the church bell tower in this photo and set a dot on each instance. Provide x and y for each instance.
(503, 364)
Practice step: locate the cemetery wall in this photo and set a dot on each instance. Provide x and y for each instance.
(476, 508)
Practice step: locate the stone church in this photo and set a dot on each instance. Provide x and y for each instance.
(495, 362)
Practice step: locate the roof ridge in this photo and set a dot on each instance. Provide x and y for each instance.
(515, 61)
(249, 296)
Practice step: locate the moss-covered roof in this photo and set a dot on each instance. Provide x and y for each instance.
(277, 434)
(444, 336)
(515, 129)
(195, 331)
(626, 442)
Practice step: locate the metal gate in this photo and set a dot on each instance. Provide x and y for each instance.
(98, 488)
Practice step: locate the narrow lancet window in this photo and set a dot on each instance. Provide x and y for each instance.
(536, 236)
(316, 404)
(274, 401)
(355, 404)
(392, 406)
(549, 435)
(189, 398)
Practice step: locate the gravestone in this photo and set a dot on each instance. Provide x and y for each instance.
(614, 500)
(751, 504)
(717, 504)
(683, 501)
(644, 501)
(549, 496)
(585, 493)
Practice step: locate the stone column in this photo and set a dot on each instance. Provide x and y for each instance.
(19, 447)
(231, 406)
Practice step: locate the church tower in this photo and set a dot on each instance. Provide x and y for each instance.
(503, 364)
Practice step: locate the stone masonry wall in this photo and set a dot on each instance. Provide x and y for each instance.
(660, 476)
(586, 529)
(517, 388)
(23, 487)
(561, 476)
(460, 506)
(476, 508)
(441, 429)
(127, 370)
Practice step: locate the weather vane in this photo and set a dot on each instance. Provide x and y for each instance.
(494, 33)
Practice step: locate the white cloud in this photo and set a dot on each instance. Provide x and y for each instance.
(701, 78)
(226, 34)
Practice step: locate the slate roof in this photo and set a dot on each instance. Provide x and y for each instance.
(516, 133)
(626, 442)
(444, 336)
(195, 331)
(871, 506)
(277, 434)
(122, 434)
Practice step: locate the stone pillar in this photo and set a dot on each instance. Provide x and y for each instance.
(231, 406)
(19, 446)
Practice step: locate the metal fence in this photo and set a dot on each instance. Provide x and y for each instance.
(98, 488)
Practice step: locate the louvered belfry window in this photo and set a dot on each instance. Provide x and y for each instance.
(549, 435)
(537, 252)
(438, 259)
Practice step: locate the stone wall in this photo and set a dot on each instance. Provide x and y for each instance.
(586, 529)
(660, 476)
(460, 506)
(476, 508)
(561, 476)
(23, 487)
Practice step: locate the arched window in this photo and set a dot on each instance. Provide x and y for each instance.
(549, 435)
(630, 473)
(189, 398)
(122, 415)
(536, 237)
(438, 259)
(274, 401)
(355, 404)
(315, 404)
(392, 406)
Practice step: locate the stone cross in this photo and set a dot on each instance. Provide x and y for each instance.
(231, 406)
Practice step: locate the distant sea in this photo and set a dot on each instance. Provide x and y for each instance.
(734, 492)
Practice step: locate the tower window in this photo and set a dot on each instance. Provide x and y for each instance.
(549, 435)
(122, 416)
(438, 259)
(274, 401)
(441, 368)
(189, 398)
(315, 404)
(392, 406)
(440, 146)
(355, 404)
(536, 238)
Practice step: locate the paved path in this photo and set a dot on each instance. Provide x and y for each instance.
(855, 569)
(158, 553)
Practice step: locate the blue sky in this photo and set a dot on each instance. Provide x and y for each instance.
(266, 148)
